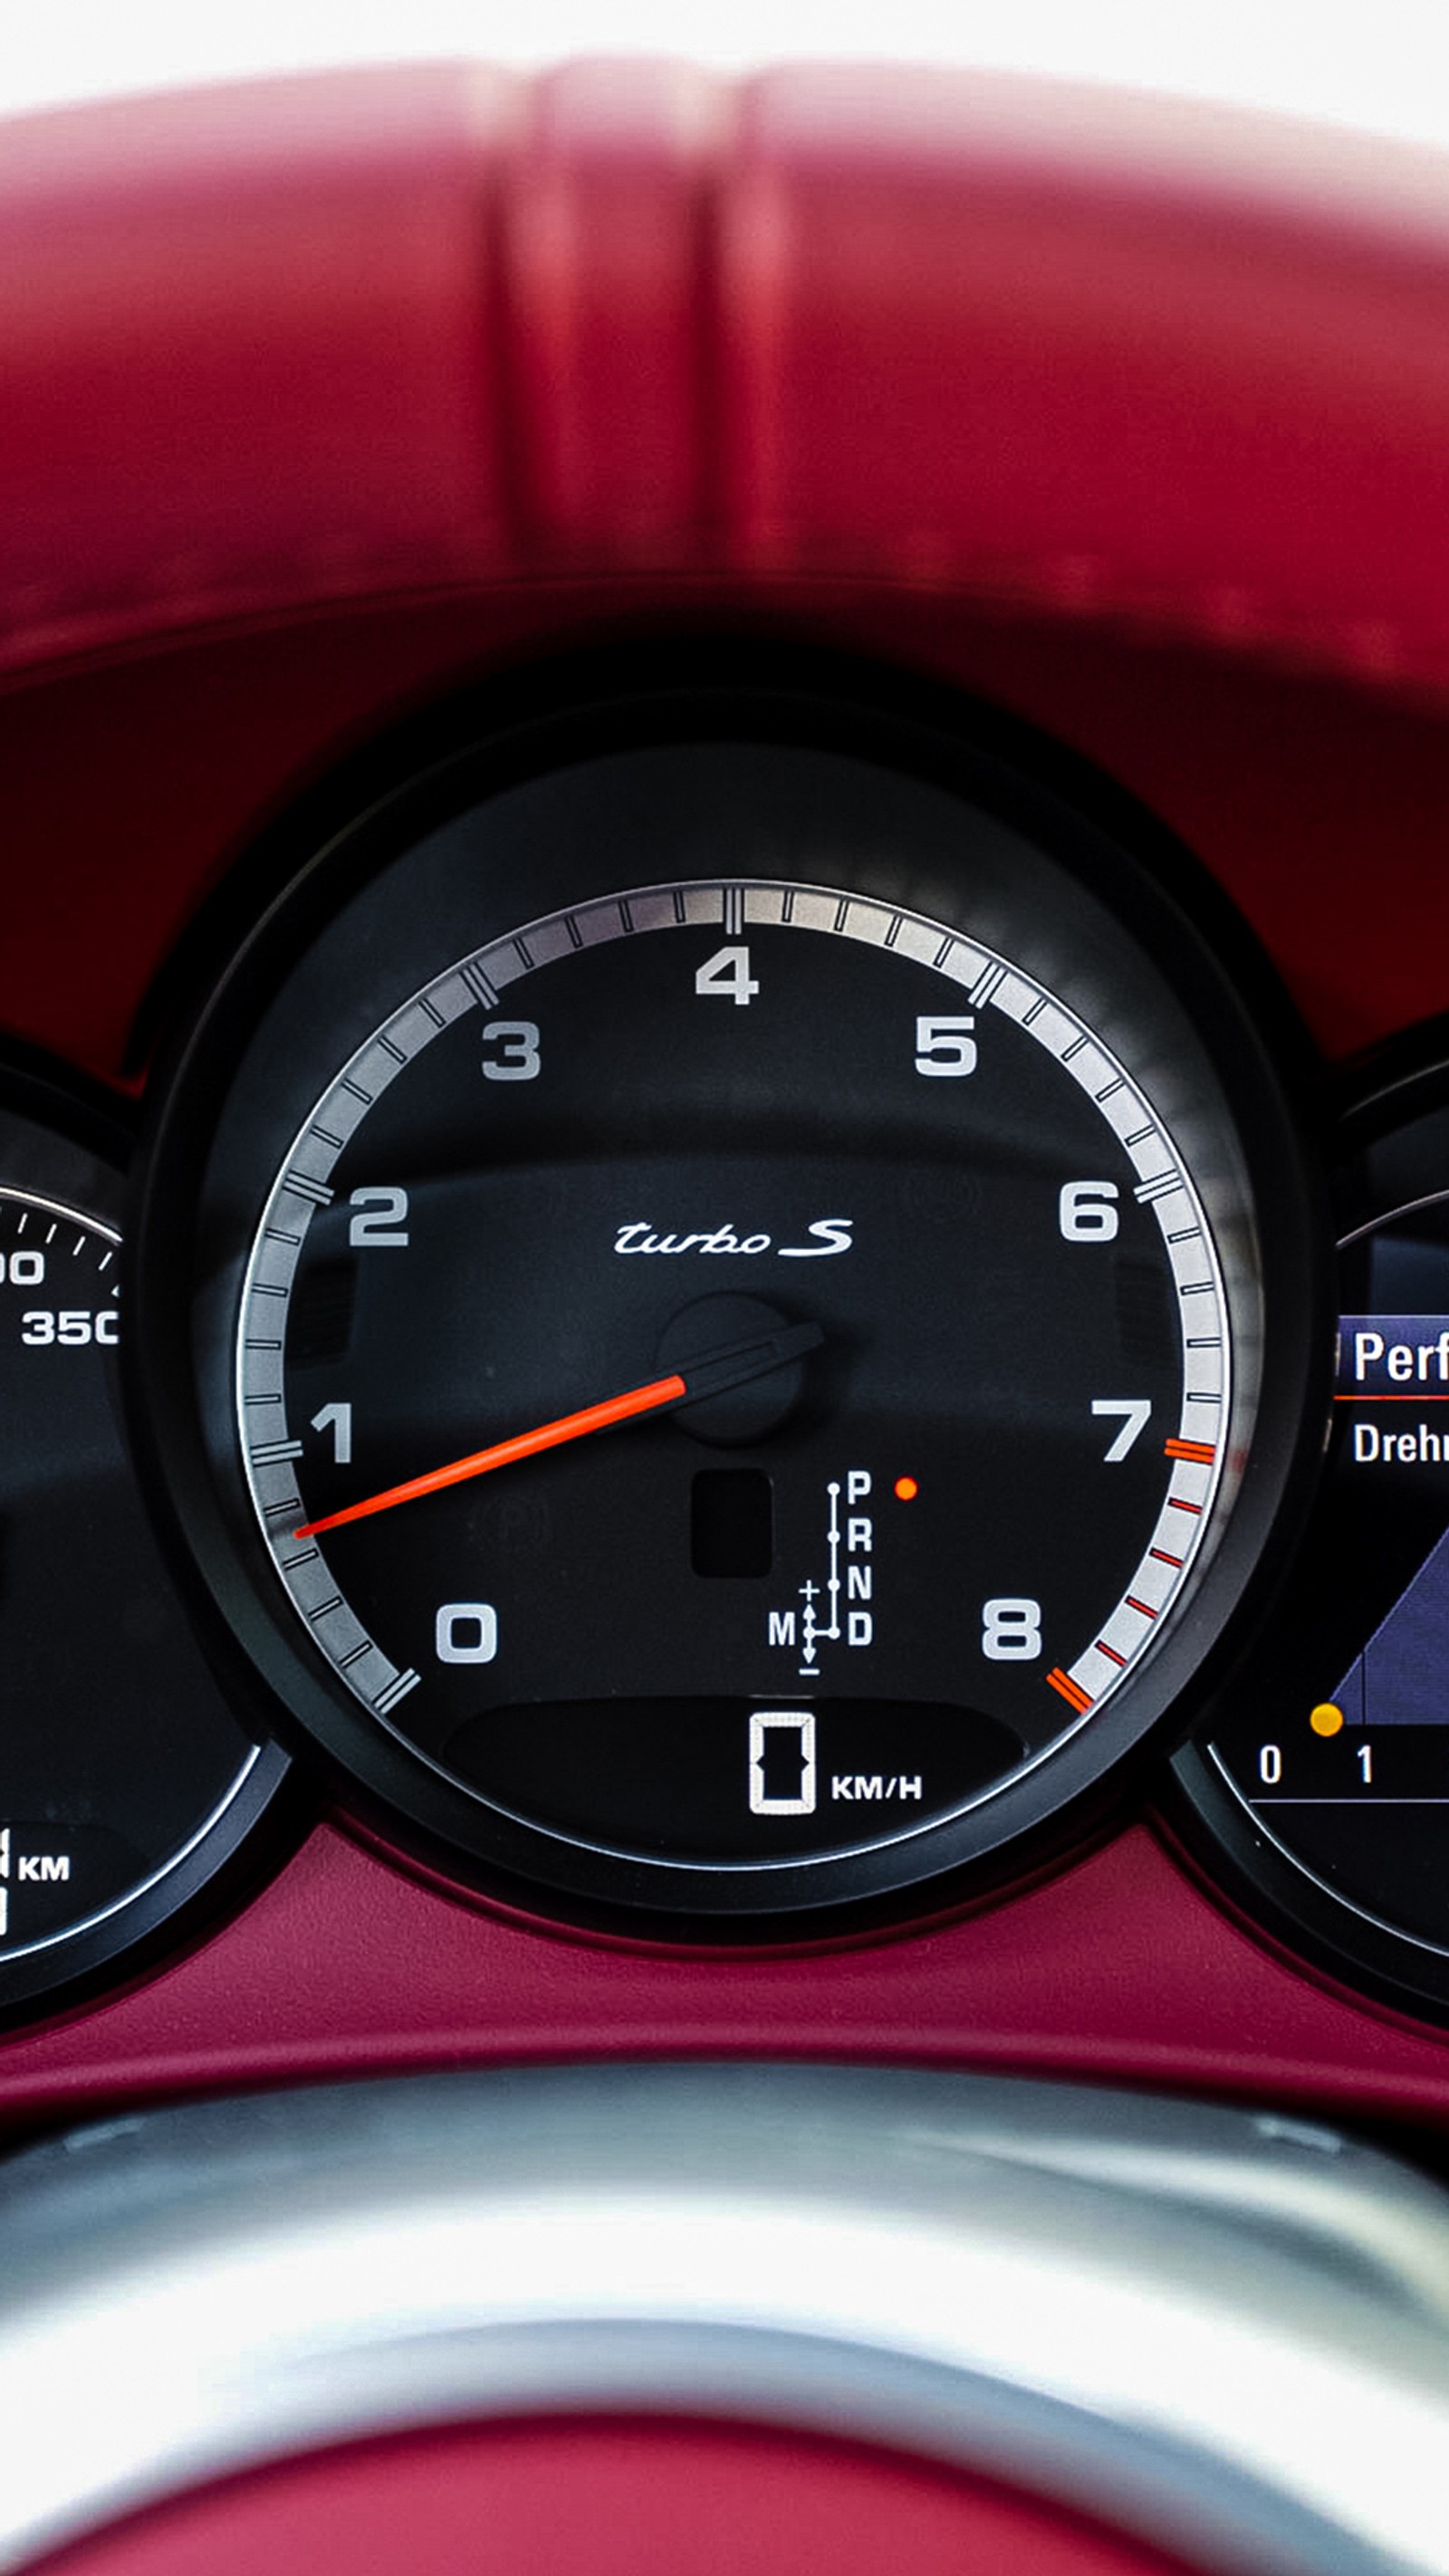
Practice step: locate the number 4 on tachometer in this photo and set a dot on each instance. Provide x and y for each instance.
(726, 976)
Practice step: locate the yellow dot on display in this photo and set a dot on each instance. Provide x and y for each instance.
(1326, 1719)
(906, 1489)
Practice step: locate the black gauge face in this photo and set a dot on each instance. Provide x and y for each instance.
(1326, 1775)
(853, 1394)
(125, 1783)
(729, 1383)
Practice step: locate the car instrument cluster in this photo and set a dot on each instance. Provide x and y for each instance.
(728, 1312)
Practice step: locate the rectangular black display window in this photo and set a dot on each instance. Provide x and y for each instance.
(732, 1517)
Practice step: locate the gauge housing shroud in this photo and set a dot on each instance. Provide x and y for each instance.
(372, 893)
(1393, 1140)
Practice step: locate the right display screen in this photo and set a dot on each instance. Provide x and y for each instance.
(1321, 1777)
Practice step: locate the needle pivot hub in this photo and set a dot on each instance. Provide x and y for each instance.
(715, 1338)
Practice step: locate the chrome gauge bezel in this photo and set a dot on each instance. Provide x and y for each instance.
(1392, 1115)
(1201, 1450)
(226, 1115)
(64, 1146)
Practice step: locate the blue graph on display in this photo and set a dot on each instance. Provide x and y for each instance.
(1400, 1677)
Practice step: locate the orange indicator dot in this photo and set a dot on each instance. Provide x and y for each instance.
(1325, 1719)
(906, 1489)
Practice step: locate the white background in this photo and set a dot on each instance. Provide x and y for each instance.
(1383, 64)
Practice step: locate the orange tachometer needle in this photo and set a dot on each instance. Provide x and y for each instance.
(504, 1453)
(712, 1373)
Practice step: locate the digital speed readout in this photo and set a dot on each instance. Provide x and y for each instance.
(738, 1378)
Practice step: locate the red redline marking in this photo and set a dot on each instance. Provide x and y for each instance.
(1072, 1692)
(1391, 1399)
(1110, 1652)
(1201, 1452)
(1164, 1559)
(1174, 1505)
(1144, 1606)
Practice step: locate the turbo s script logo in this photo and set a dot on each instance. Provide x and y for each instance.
(831, 1234)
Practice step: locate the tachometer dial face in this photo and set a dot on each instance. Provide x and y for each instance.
(737, 1378)
(125, 1782)
(978, 1419)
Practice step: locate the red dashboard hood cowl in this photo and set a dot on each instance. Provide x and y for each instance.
(384, 334)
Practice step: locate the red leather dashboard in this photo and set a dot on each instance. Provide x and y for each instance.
(321, 397)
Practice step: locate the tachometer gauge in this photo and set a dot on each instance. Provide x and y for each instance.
(1319, 1787)
(126, 1784)
(729, 1298)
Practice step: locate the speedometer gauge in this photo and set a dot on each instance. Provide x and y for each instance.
(128, 1791)
(729, 1304)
